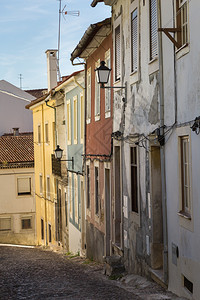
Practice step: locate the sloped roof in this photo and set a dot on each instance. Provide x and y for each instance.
(87, 38)
(37, 93)
(16, 148)
(65, 78)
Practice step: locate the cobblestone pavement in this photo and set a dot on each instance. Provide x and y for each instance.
(38, 274)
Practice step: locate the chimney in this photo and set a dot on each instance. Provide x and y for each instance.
(51, 68)
(16, 131)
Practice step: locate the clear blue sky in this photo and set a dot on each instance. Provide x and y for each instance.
(29, 27)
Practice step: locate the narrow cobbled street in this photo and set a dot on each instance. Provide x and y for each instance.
(38, 274)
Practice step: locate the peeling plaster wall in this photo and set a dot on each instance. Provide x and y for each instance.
(141, 117)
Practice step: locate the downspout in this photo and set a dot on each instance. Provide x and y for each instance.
(44, 168)
(175, 71)
(162, 149)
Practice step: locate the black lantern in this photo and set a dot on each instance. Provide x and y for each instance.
(102, 74)
(58, 152)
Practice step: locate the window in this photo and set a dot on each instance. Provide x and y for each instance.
(188, 284)
(88, 95)
(96, 180)
(68, 122)
(66, 212)
(54, 134)
(24, 186)
(41, 184)
(46, 133)
(70, 195)
(97, 96)
(5, 224)
(82, 117)
(185, 174)
(134, 40)
(75, 120)
(153, 29)
(26, 223)
(39, 134)
(182, 21)
(50, 233)
(108, 91)
(134, 180)
(42, 229)
(76, 197)
(117, 53)
(88, 185)
(48, 187)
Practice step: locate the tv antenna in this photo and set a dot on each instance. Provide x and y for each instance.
(75, 13)
(20, 81)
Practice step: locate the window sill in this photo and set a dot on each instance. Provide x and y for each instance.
(88, 121)
(182, 51)
(107, 114)
(184, 215)
(153, 65)
(97, 118)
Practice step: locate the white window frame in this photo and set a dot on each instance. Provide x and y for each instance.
(116, 24)
(89, 96)
(153, 56)
(108, 91)
(82, 117)
(134, 48)
(179, 14)
(76, 198)
(70, 195)
(97, 95)
(75, 118)
(69, 123)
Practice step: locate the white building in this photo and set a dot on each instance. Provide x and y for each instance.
(158, 160)
(12, 109)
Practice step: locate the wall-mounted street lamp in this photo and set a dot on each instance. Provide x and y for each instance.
(103, 74)
(58, 154)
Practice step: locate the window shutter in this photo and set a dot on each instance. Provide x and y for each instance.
(24, 186)
(134, 37)
(117, 53)
(153, 29)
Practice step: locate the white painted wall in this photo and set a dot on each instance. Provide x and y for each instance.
(184, 233)
(12, 109)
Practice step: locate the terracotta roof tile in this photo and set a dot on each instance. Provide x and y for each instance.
(16, 148)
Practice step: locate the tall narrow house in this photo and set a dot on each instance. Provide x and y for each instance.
(94, 47)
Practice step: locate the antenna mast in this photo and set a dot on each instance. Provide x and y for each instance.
(61, 12)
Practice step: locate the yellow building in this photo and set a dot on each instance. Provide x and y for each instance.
(45, 187)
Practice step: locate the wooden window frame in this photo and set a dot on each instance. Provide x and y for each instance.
(46, 126)
(97, 95)
(88, 182)
(82, 117)
(134, 179)
(24, 219)
(96, 189)
(185, 176)
(182, 36)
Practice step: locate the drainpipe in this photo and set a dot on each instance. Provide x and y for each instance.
(162, 149)
(44, 168)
